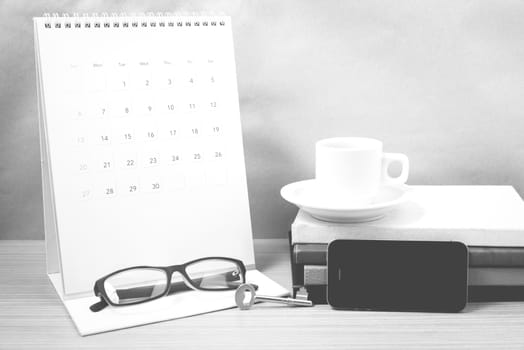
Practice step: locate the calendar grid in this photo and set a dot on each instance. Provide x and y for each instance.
(142, 115)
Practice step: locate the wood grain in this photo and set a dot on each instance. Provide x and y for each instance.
(31, 316)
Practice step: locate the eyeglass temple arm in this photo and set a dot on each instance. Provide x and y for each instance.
(99, 306)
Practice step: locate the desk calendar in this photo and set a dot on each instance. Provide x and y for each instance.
(142, 156)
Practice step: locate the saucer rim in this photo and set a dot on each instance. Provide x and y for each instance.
(382, 205)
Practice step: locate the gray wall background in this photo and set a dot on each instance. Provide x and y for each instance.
(442, 81)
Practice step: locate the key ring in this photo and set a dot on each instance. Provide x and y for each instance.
(240, 296)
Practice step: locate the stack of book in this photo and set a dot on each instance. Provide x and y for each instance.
(488, 219)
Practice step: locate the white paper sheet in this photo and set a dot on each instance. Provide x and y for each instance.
(174, 306)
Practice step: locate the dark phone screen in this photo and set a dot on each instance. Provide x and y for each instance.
(397, 275)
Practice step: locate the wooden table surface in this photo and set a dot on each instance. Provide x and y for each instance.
(31, 316)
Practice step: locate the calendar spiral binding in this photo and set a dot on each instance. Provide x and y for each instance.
(132, 20)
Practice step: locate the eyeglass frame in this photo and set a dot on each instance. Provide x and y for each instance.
(100, 291)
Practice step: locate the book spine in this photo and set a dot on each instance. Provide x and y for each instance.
(297, 274)
(306, 229)
(297, 271)
(316, 275)
(496, 256)
(318, 294)
(316, 254)
(311, 254)
(477, 237)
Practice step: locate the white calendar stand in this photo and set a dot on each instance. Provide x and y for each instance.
(142, 157)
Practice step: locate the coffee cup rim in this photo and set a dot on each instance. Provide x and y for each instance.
(341, 143)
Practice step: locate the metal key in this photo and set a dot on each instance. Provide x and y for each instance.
(243, 289)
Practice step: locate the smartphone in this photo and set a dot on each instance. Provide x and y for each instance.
(397, 275)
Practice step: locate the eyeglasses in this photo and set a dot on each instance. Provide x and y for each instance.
(140, 284)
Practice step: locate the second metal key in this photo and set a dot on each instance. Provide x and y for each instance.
(248, 290)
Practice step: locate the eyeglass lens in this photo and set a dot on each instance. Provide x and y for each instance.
(215, 274)
(135, 285)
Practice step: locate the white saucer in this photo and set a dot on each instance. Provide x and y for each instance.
(312, 198)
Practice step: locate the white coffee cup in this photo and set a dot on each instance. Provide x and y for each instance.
(356, 167)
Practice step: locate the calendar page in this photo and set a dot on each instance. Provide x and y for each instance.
(143, 140)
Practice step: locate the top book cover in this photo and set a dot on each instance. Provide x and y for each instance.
(475, 215)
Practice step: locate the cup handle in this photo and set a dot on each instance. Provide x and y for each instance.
(387, 159)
